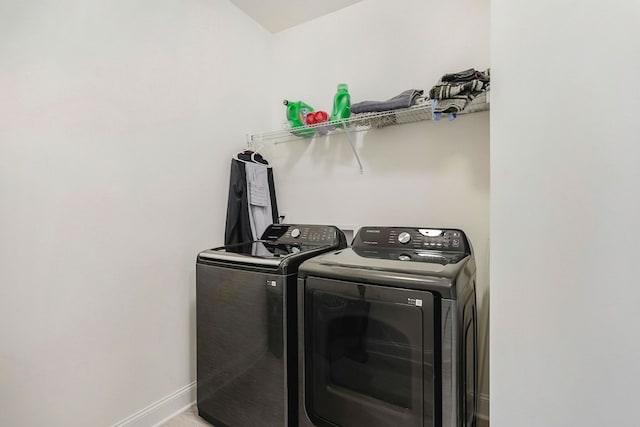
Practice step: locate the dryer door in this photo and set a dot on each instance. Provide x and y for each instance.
(369, 355)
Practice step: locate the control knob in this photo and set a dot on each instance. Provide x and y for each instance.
(404, 238)
(295, 233)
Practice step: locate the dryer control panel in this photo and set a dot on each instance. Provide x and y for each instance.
(289, 234)
(416, 238)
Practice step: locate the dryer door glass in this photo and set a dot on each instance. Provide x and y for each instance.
(369, 355)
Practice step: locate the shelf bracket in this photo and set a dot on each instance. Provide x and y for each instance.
(353, 148)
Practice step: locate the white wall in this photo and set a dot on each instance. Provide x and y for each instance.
(118, 120)
(427, 173)
(564, 213)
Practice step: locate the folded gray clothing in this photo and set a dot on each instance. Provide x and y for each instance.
(457, 104)
(450, 105)
(451, 90)
(469, 84)
(468, 75)
(405, 100)
(478, 103)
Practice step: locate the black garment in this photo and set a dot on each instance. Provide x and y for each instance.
(238, 226)
(249, 156)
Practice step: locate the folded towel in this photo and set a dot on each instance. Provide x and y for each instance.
(451, 105)
(466, 76)
(450, 90)
(404, 100)
(459, 104)
(479, 103)
(462, 83)
(454, 91)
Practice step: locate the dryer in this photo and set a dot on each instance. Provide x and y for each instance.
(388, 331)
(246, 325)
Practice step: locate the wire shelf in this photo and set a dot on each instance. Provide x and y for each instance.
(362, 122)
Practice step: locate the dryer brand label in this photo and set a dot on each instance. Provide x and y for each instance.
(415, 301)
(271, 283)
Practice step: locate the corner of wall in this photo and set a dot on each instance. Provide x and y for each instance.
(162, 410)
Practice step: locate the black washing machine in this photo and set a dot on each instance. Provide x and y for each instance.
(388, 331)
(246, 325)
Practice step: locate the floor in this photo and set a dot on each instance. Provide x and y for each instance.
(190, 418)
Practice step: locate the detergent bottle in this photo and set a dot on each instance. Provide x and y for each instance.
(341, 103)
(297, 112)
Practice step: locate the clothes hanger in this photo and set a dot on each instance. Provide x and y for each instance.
(252, 154)
(257, 152)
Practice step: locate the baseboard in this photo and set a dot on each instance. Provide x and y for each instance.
(171, 405)
(160, 411)
(483, 407)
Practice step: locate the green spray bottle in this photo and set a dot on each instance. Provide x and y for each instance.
(341, 103)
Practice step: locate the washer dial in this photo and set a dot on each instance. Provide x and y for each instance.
(404, 238)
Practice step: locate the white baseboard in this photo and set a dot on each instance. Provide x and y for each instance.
(160, 411)
(483, 407)
(171, 405)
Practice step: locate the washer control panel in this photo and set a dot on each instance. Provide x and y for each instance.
(412, 238)
(287, 234)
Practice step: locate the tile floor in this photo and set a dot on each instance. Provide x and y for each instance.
(190, 418)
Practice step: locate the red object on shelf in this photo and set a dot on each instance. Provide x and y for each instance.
(321, 116)
(316, 117)
(310, 119)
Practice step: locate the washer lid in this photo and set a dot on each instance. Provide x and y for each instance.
(281, 245)
(427, 263)
(266, 253)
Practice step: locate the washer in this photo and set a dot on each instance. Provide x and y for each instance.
(388, 334)
(246, 330)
